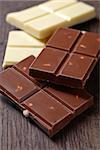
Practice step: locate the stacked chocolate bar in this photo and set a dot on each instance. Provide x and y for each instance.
(38, 23)
(67, 61)
(68, 58)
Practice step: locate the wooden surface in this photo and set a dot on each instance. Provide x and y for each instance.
(18, 133)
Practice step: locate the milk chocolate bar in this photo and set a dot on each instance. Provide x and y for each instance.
(42, 20)
(19, 46)
(68, 58)
(49, 106)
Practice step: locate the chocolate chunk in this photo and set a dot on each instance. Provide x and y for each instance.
(68, 59)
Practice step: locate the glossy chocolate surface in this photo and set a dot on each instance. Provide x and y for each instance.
(74, 99)
(89, 44)
(51, 107)
(47, 107)
(63, 39)
(18, 85)
(68, 59)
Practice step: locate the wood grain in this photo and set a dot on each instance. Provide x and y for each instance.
(18, 133)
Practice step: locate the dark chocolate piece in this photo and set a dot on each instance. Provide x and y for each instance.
(68, 59)
(63, 39)
(74, 99)
(89, 44)
(47, 108)
(17, 85)
(51, 107)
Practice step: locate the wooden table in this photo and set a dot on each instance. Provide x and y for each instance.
(18, 133)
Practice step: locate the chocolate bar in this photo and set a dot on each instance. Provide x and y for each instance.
(42, 20)
(19, 46)
(51, 107)
(68, 59)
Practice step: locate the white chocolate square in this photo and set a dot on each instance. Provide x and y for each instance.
(77, 13)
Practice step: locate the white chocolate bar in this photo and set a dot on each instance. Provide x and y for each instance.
(40, 21)
(75, 14)
(19, 19)
(21, 45)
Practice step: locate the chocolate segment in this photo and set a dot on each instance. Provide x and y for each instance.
(80, 51)
(63, 39)
(51, 107)
(76, 70)
(74, 99)
(47, 108)
(49, 61)
(18, 86)
(89, 44)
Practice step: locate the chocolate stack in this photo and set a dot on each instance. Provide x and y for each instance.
(51, 88)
